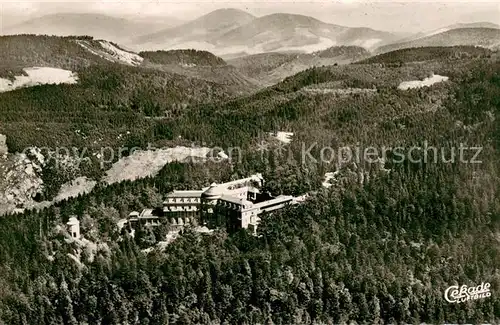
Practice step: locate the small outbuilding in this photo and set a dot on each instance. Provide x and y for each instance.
(74, 227)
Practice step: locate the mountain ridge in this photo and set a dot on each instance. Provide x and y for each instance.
(484, 37)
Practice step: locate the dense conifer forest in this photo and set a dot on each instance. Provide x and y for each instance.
(377, 247)
(183, 57)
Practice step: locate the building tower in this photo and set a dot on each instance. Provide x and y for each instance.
(209, 200)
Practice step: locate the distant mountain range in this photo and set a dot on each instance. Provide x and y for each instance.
(96, 25)
(227, 31)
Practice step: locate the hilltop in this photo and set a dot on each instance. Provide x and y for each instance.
(198, 31)
(429, 53)
(285, 32)
(344, 52)
(183, 58)
(20, 51)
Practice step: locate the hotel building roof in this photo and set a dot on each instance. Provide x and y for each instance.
(190, 193)
(236, 200)
(277, 200)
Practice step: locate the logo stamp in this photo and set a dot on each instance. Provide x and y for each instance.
(456, 294)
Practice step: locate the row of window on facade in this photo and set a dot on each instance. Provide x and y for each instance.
(182, 208)
(183, 200)
(231, 205)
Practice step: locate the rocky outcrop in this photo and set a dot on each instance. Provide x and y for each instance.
(19, 183)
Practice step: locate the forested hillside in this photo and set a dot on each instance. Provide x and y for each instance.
(108, 100)
(380, 246)
(256, 64)
(111, 103)
(116, 105)
(270, 68)
(328, 116)
(201, 65)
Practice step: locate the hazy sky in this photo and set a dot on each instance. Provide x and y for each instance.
(397, 16)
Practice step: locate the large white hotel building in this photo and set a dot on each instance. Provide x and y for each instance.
(235, 205)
